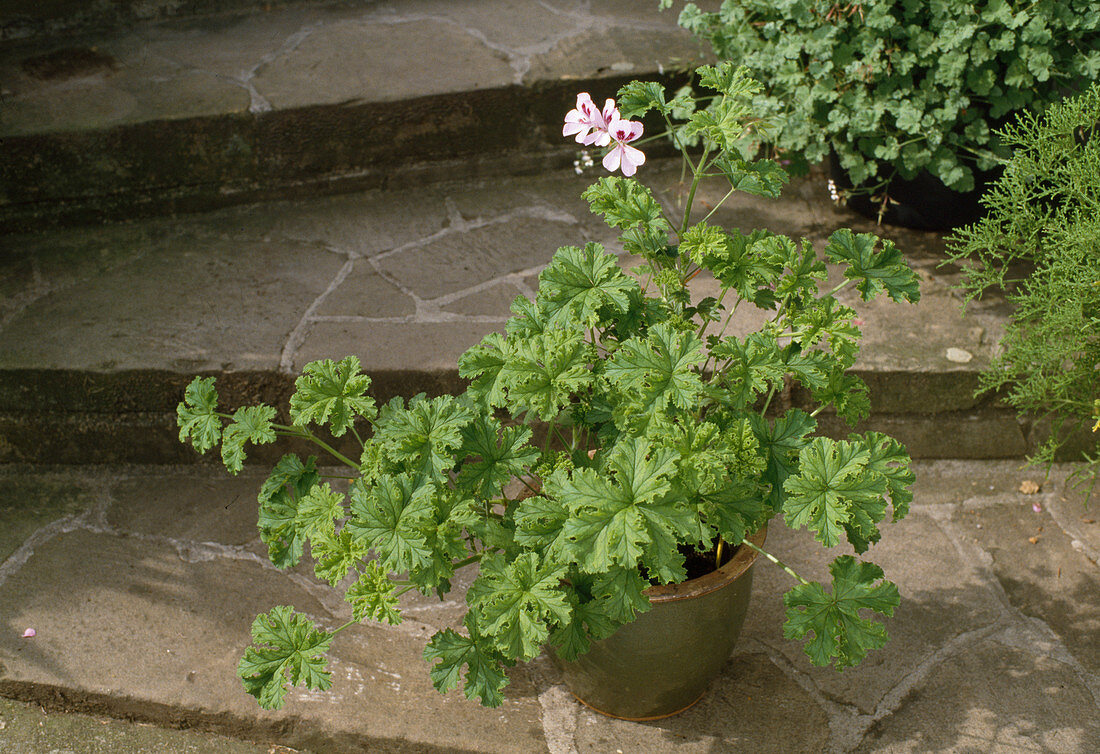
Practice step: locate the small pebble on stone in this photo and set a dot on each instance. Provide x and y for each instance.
(959, 355)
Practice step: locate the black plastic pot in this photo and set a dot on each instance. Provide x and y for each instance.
(922, 202)
(663, 662)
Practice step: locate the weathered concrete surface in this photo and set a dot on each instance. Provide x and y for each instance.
(192, 113)
(101, 329)
(993, 648)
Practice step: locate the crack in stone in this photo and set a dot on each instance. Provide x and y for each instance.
(1044, 640)
(558, 709)
(841, 715)
(298, 334)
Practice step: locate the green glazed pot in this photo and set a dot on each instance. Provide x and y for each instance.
(663, 662)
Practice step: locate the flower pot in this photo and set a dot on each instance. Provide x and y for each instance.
(663, 662)
(922, 202)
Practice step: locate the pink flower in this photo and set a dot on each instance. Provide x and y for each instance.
(588, 122)
(623, 132)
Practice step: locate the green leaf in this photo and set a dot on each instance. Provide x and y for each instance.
(828, 319)
(539, 520)
(888, 458)
(875, 271)
(335, 555)
(390, 518)
(287, 648)
(753, 365)
(626, 204)
(838, 630)
(290, 481)
(742, 267)
(518, 601)
(197, 416)
(527, 319)
(485, 676)
(578, 282)
(497, 461)
(639, 97)
(482, 364)
(759, 177)
(372, 596)
(729, 79)
(331, 392)
(655, 373)
(781, 443)
(318, 511)
(424, 436)
(702, 241)
(737, 510)
(250, 424)
(615, 515)
(543, 372)
(833, 488)
(619, 593)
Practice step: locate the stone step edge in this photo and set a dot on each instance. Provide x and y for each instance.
(86, 177)
(58, 416)
(288, 729)
(82, 18)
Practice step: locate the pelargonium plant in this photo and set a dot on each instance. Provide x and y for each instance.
(610, 432)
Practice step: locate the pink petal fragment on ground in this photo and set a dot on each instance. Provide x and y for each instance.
(1036, 507)
(29, 633)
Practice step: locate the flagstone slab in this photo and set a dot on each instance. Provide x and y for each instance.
(189, 306)
(147, 628)
(29, 502)
(1043, 575)
(943, 597)
(992, 697)
(752, 706)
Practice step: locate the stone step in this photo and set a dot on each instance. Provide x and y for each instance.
(102, 328)
(197, 112)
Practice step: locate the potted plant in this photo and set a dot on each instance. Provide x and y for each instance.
(1039, 245)
(905, 95)
(638, 434)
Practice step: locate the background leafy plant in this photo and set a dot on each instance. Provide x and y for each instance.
(656, 439)
(1040, 246)
(899, 86)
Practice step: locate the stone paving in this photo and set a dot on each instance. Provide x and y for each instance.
(141, 583)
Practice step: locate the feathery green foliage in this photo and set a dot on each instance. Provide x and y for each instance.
(1039, 246)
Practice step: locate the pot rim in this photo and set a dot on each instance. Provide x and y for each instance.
(713, 581)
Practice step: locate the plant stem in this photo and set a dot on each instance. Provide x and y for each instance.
(719, 204)
(768, 401)
(357, 437)
(305, 434)
(691, 192)
(775, 560)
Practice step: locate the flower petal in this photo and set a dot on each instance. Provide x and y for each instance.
(612, 158)
(631, 159)
(30, 633)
